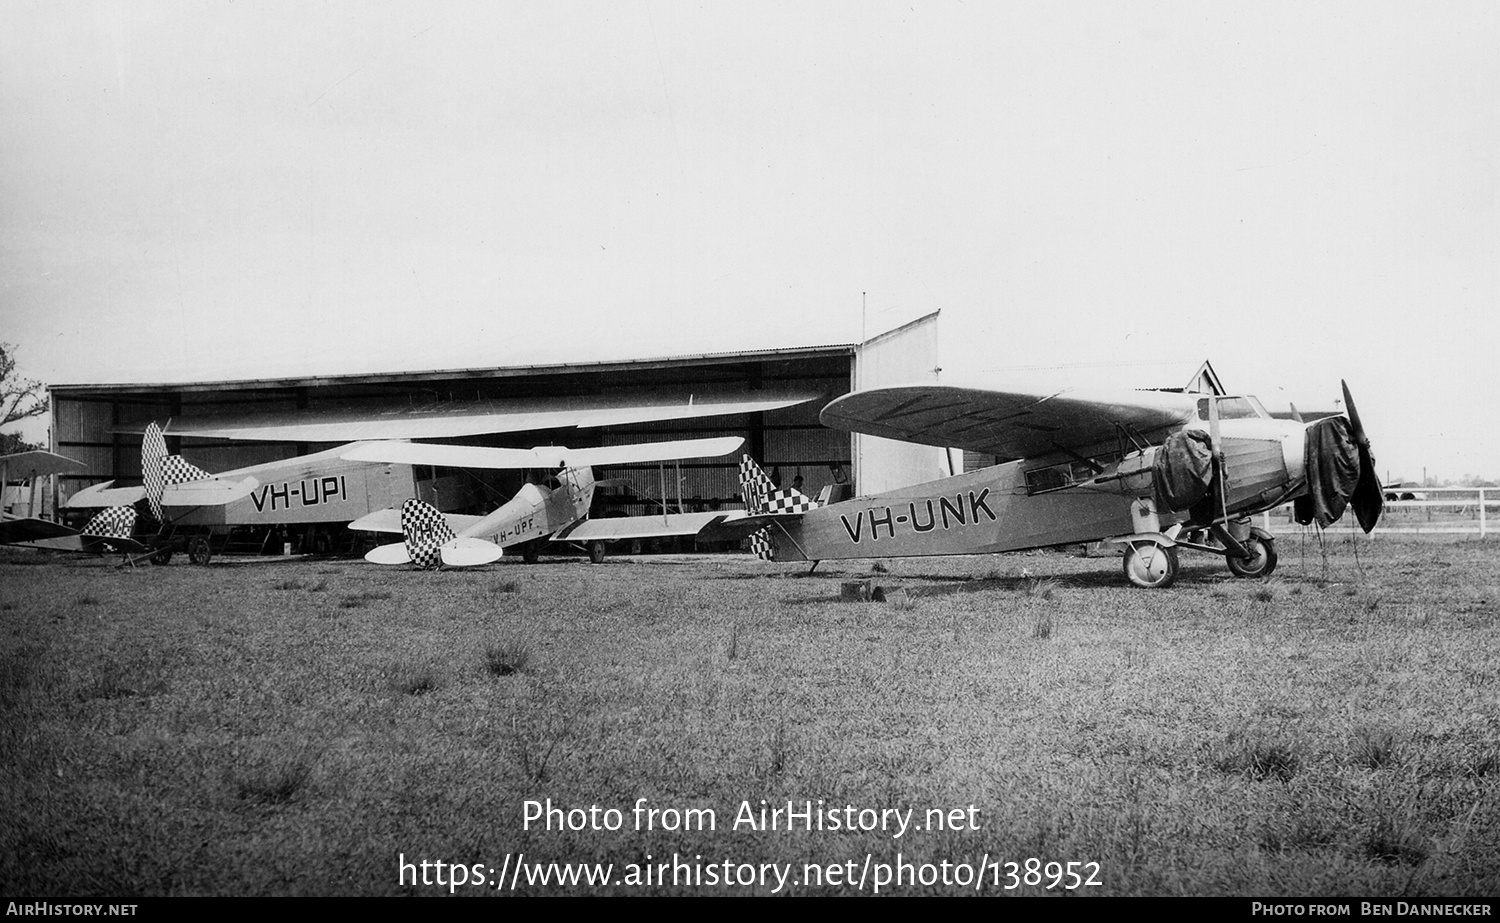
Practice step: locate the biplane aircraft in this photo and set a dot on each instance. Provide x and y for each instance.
(552, 509)
(309, 499)
(1150, 471)
(21, 475)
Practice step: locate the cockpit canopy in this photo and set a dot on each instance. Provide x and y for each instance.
(1234, 408)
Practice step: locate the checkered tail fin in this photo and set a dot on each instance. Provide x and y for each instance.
(114, 522)
(426, 531)
(160, 470)
(761, 496)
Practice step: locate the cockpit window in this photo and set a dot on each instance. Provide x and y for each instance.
(1234, 408)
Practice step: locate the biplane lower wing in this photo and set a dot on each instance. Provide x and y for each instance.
(17, 530)
(620, 528)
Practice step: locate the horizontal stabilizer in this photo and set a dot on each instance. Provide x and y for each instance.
(102, 496)
(470, 552)
(210, 492)
(389, 554)
(389, 520)
(464, 456)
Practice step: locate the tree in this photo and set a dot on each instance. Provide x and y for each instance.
(20, 398)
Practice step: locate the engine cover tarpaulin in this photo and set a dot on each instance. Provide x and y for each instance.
(1332, 472)
(1183, 469)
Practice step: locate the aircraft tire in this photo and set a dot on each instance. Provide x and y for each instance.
(199, 551)
(1153, 569)
(531, 555)
(1262, 561)
(596, 552)
(162, 557)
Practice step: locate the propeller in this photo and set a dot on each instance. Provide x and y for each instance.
(1368, 500)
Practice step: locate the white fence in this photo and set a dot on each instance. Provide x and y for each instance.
(1437, 511)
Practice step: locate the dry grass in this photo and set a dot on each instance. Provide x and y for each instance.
(238, 730)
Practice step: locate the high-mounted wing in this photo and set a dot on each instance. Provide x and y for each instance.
(449, 420)
(39, 463)
(1008, 424)
(467, 456)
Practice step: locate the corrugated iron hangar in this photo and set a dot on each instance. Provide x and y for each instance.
(101, 424)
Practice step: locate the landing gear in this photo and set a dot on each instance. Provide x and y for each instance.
(199, 551)
(1150, 565)
(530, 554)
(596, 552)
(1262, 558)
(162, 557)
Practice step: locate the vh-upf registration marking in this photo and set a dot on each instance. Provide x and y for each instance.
(919, 516)
(309, 491)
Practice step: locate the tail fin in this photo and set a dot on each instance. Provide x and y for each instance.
(430, 541)
(114, 522)
(761, 496)
(426, 533)
(764, 498)
(158, 469)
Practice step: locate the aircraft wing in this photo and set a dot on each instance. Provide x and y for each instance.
(454, 419)
(466, 456)
(38, 462)
(625, 527)
(1008, 424)
(15, 530)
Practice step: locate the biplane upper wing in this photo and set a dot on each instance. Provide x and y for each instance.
(455, 419)
(467, 456)
(39, 463)
(1008, 424)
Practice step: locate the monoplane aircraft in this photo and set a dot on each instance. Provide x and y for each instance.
(1151, 471)
(552, 509)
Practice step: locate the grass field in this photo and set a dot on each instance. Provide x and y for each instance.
(302, 727)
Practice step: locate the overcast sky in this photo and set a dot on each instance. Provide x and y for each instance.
(1299, 192)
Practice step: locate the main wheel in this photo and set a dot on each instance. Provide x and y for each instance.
(1150, 565)
(199, 551)
(531, 554)
(596, 552)
(1262, 558)
(162, 556)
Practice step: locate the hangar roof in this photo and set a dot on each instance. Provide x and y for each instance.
(723, 358)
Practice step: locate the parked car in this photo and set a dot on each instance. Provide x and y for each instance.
(1403, 492)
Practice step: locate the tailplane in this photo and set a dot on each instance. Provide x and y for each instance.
(762, 497)
(160, 470)
(431, 542)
